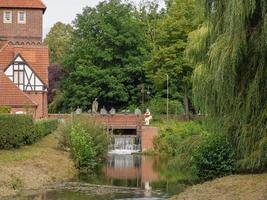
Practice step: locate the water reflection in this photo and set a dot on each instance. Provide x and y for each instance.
(134, 168)
(156, 178)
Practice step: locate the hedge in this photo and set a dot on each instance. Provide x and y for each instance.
(45, 127)
(19, 130)
(15, 130)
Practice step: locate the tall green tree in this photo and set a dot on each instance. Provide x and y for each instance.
(230, 55)
(58, 40)
(168, 58)
(105, 58)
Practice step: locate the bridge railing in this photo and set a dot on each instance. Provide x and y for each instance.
(121, 121)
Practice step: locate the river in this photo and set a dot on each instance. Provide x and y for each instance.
(123, 177)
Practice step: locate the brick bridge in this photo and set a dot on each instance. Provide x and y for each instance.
(124, 122)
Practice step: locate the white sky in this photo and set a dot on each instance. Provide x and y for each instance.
(66, 10)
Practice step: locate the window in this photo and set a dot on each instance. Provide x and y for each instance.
(7, 17)
(21, 17)
(19, 76)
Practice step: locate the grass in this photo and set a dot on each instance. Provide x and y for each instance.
(28, 152)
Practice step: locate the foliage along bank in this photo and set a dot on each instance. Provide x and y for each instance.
(192, 150)
(86, 139)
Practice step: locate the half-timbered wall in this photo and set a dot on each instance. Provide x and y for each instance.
(24, 77)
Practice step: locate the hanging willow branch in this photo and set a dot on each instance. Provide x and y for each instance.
(230, 78)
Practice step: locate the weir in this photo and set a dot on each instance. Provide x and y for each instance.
(125, 144)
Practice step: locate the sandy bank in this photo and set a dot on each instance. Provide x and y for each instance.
(240, 187)
(34, 166)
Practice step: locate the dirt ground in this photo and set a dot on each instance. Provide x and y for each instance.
(240, 187)
(33, 167)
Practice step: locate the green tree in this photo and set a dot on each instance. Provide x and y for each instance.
(168, 55)
(58, 40)
(105, 57)
(230, 79)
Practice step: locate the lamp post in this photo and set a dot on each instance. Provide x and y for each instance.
(143, 96)
(167, 107)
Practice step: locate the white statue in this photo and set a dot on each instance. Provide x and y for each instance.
(112, 111)
(138, 112)
(148, 117)
(78, 111)
(95, 106)
(103, 111)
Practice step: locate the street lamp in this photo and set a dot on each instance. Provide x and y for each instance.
(167, 107)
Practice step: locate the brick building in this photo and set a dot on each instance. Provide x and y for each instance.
(23, 58)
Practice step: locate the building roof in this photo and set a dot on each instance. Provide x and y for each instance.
(35, 56)
(11, 95)
(34, 4)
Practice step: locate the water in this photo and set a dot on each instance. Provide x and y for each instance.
(126, 177)
(125, 145)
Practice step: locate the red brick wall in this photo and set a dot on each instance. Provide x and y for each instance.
(120, 120)
(41, 100)
(147, 137)
(32, 30)
(59, 116)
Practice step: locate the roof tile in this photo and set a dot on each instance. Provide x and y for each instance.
(36, 4)
(11, 95)
(36, 56)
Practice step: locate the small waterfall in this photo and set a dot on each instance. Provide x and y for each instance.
(124, 144)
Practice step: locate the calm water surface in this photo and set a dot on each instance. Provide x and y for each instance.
(155, 179)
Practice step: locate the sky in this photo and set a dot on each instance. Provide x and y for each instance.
(65, 10)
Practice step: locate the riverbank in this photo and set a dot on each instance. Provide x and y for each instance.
(239, 187)
(33, 167)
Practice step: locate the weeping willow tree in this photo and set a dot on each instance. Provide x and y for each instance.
(230, 79)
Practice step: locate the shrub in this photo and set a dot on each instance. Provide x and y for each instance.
(175, 137)
(87, 140)
(43, 128)
(82, 147)
(214, 157)
(5, 109)
(177, 141)
(15, 130)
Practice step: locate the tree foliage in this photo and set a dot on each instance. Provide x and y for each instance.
(58, 41)
(55, 73)
(230, 79)
(180, 19)
(105, 58)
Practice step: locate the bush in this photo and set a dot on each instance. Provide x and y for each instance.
(5, 109)
(177, 141)
(43, 128)
(15, 130)
(87, 140)
(82, 147)
(214, 157)
(176, 137)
